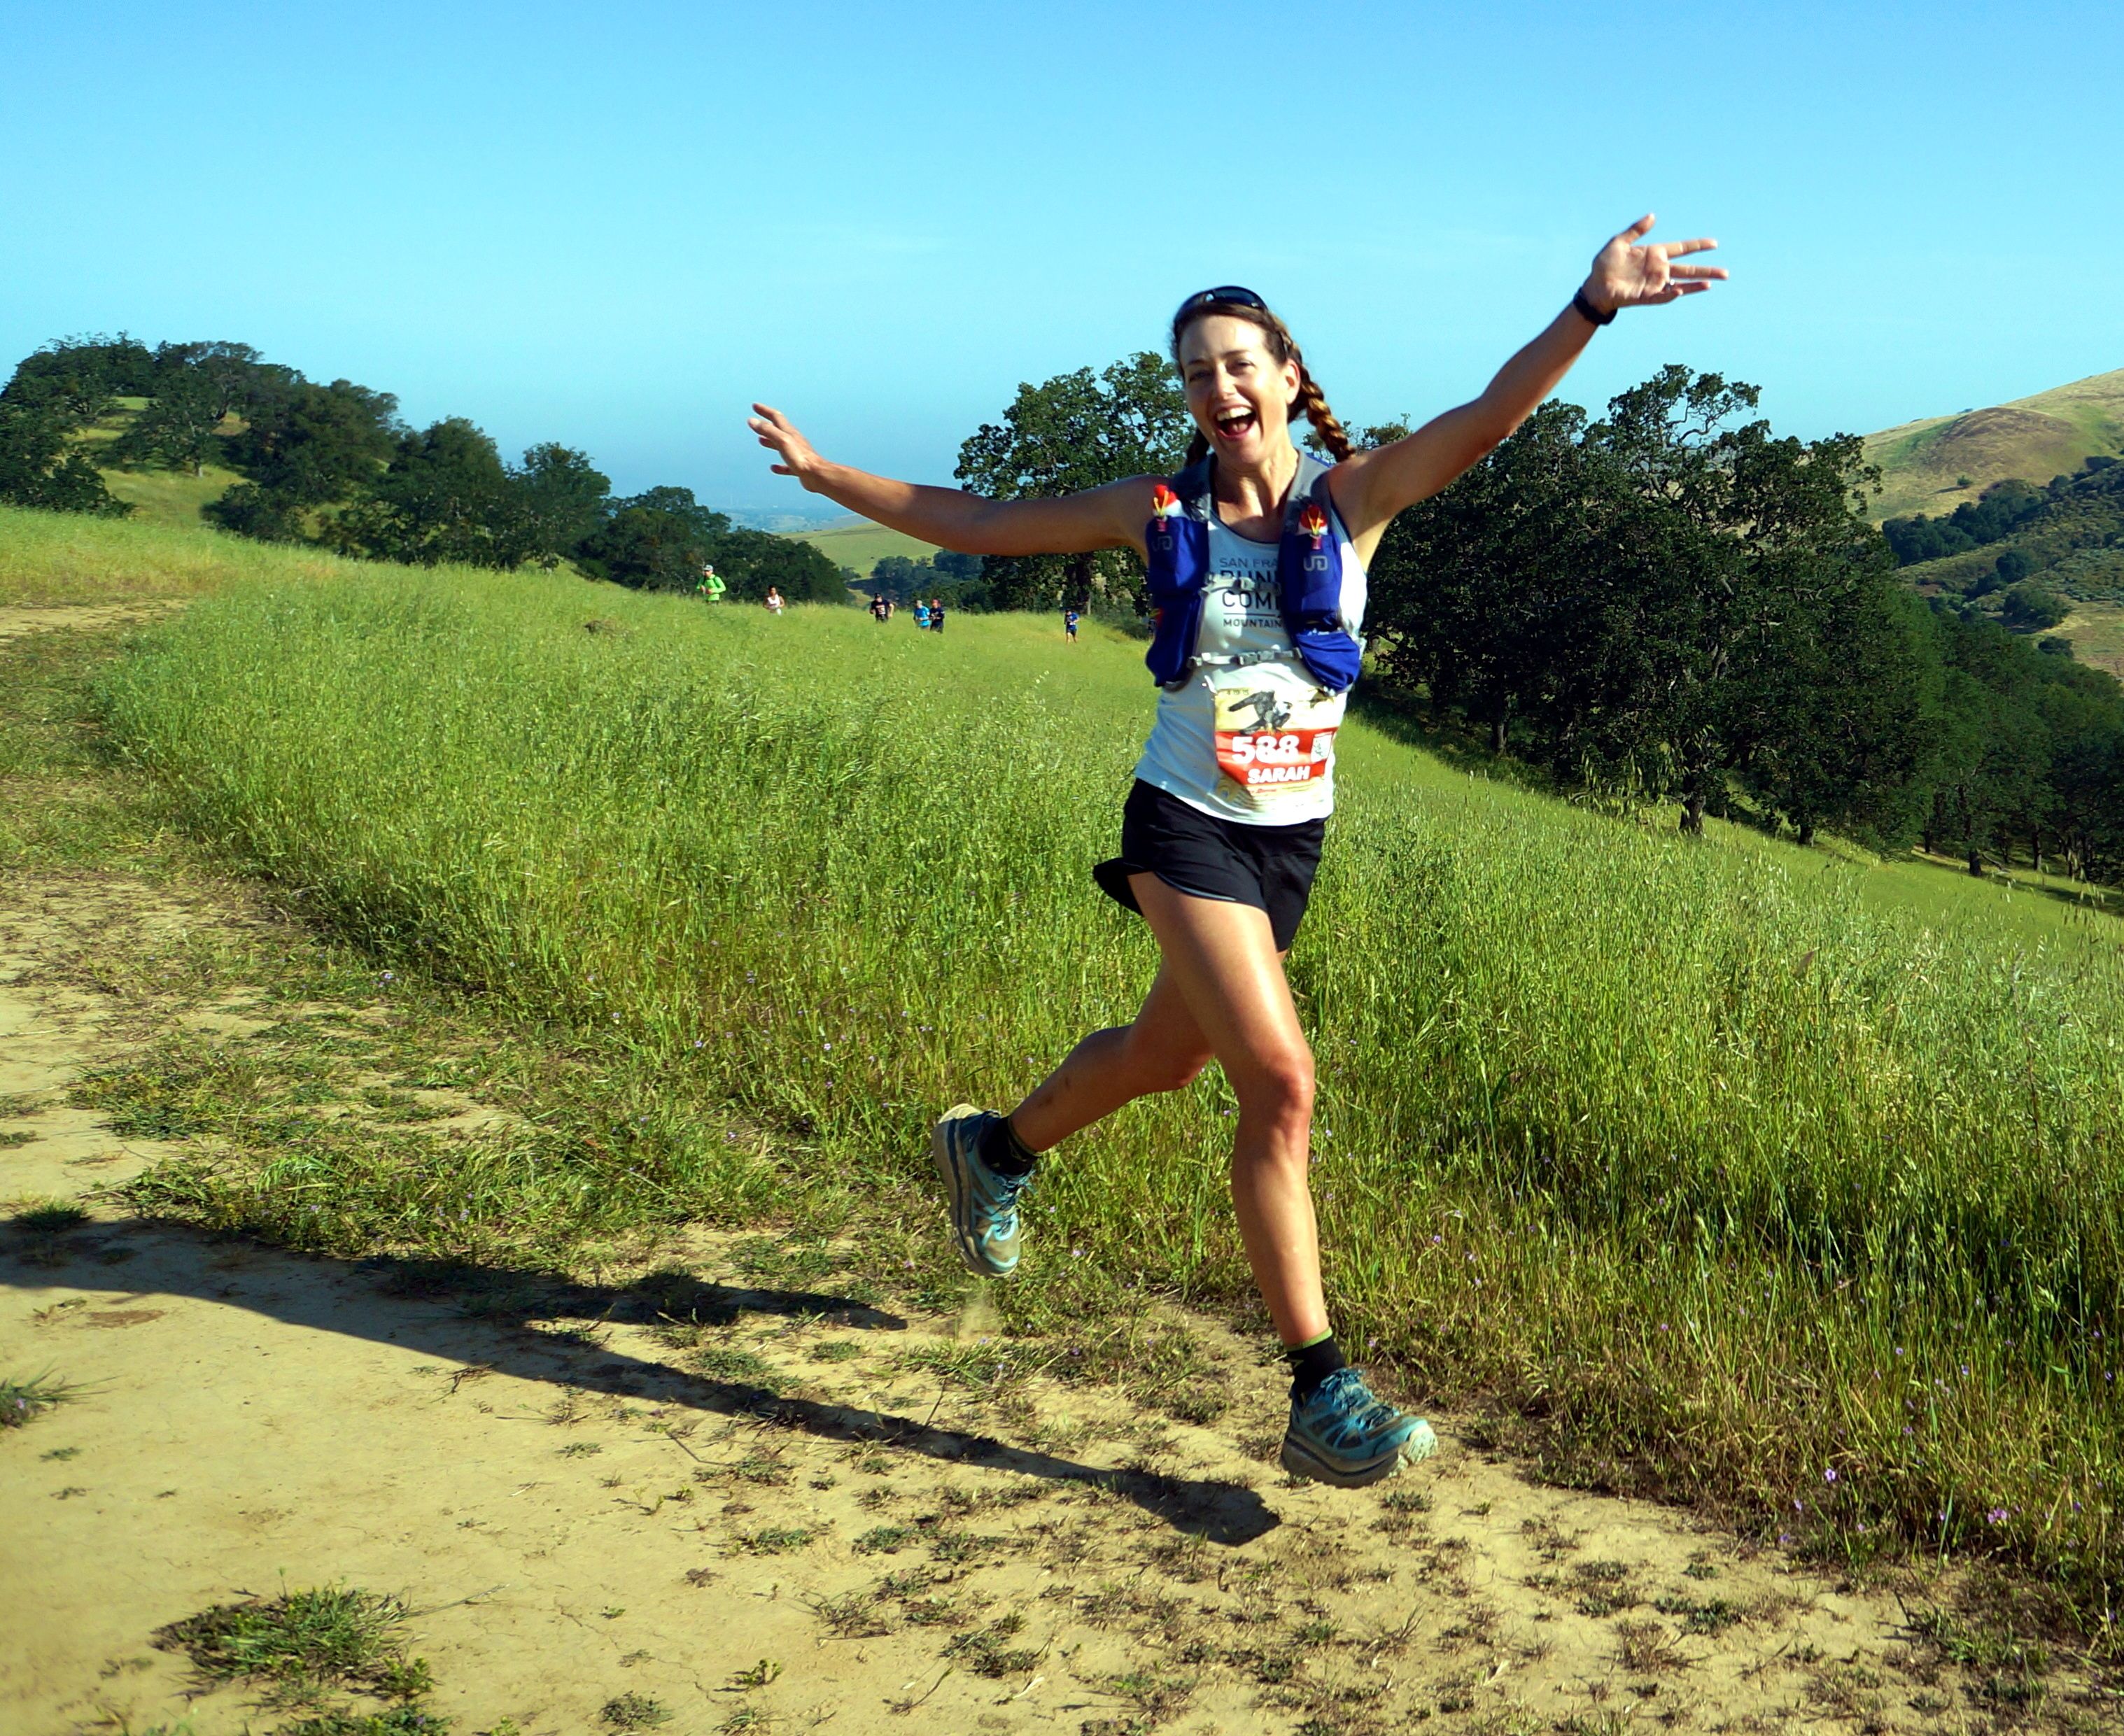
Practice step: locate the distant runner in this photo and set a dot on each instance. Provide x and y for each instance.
(710, 588)
(773, 600)
(1256, 557)
(1069, 626)
(878, 610)
(921, 615)
(936, 614)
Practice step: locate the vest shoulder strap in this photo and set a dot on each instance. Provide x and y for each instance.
(1192, 486)
(1310, 484)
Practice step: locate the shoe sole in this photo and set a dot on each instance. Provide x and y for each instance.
(958, 1193)
(1300, 1460)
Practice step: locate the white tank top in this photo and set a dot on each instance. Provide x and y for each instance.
(1249, 735)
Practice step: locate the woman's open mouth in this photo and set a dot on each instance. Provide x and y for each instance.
(1234, 425)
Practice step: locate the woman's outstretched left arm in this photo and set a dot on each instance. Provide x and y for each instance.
(1372, 487)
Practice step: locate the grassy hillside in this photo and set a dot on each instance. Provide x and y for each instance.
(2036, 438)
(859, 544)
(2096, 633)
(54, 559)
(156, 496)
(2070, 545)
(1714, 1168)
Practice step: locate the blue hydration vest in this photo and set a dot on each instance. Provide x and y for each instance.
(1308, 574)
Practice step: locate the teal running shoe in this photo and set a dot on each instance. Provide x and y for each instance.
(1341, 1434)
(983, 1204)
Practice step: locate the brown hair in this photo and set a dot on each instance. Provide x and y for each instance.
(1312, 402)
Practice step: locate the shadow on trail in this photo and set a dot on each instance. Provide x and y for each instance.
(485, 1316)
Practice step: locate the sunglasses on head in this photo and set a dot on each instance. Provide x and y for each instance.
(1233, 294)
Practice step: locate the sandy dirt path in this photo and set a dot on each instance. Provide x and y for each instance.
(735, 1508)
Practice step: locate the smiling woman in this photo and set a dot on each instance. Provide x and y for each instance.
(1257, 558)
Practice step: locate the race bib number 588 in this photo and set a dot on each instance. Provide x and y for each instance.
(1275, 736)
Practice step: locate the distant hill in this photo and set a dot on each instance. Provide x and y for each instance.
(858, 544)
(1932, 466)
(786, 521)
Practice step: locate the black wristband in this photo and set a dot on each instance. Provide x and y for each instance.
(1585, 308)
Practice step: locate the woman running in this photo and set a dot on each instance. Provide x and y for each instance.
(1255, 648)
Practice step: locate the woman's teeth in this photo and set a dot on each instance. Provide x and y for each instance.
(1232, 427)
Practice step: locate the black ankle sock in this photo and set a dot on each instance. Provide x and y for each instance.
(1001, 1149)
(1312, 1363)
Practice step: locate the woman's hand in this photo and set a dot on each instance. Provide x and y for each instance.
(1628, 275)
(779, 435)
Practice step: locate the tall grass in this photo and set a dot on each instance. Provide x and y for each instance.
(1707, 1174)
(48, 559)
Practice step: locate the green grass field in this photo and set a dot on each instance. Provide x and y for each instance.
(860, 544)
(1709, 1169)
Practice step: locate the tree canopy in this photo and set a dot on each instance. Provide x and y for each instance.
(1076, 431)
(334, 465)
(660, 541)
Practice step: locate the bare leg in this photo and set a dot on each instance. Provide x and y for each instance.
(1222, 960)
(1219, 993)
(1161, 1050)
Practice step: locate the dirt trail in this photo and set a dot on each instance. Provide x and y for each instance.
(14, 620)
(767, 1510)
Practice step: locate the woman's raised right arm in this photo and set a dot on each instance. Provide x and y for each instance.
(1110, 517)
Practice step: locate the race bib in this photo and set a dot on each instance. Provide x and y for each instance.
(1275, 732)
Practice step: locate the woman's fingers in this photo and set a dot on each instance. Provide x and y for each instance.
(1709, 273)
(1676, 249)
(1642, 226)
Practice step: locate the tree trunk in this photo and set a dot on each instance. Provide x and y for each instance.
(1806, 834)
(1976, 862)
(1082, 568)
(2036, 847)
(1497, 728)
(1691, 813)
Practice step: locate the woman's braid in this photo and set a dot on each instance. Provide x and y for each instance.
(1312, 404)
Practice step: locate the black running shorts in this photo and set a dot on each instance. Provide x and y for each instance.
(1269, 867)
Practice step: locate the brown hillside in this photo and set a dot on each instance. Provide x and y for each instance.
(1923, 463)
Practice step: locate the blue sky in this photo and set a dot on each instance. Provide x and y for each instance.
(614, 225)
